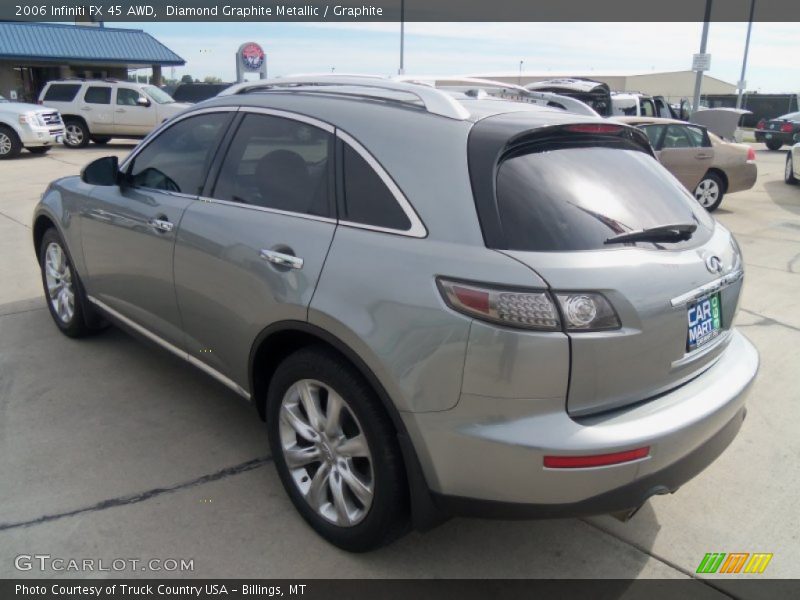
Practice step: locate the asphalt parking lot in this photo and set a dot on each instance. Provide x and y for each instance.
(110, 448)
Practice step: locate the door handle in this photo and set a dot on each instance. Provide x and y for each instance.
(702, 156)
(120, 110)
(86, 108)
(281, 259)
(161, 225)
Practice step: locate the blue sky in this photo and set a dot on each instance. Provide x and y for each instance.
(461, 48)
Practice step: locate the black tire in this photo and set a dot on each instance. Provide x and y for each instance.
(710, 181)
(788, 174)
(76, 133)
(84, 320)
(387, 517)
(39, 150)
(101, 140)
(10, 146)
(774, 144)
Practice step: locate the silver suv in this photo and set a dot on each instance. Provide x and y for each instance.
(441, 303)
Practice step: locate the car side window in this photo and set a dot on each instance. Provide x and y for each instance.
(279, 163)
(677, 137)
(177, 159)
(648, 110)
(62, 92)
(367, 200)
(97, 95)
(654, 134)
(698, 136)
(127, 96)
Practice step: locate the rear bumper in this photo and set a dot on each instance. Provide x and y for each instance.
(785, 138)
(742, 178)
(485, 456)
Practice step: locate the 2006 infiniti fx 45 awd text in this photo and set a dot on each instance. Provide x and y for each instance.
(441, 303)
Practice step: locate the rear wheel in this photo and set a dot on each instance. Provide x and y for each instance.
(788, 174)
(10, 146)
(709, 191)
(76, 134)
(774, 144)
(336, 451)
(39, 150)
(101, 140)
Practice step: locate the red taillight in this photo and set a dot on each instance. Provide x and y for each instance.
(761, 124)
(472, 298)
(593, 128)
(595, 460)
(786, 128)
(39, 102)
(751, 155)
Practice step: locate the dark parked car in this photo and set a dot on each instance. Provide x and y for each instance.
(779, 131)
(197, 92)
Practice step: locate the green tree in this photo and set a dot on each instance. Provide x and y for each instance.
(187, 79)
(212, 79)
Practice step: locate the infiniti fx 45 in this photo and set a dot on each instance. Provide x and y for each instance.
(440, 304)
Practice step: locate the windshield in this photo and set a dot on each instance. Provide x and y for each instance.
(577, 198)
(795, 116)
(158, 94)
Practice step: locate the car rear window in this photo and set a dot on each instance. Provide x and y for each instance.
(61, 92)
(575, 198)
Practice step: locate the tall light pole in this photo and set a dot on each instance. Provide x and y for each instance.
(519, 79)
(703, 42)
(741, 83)
(402, 70)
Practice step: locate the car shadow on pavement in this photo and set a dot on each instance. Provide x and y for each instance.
(112, 434)
(784, 195)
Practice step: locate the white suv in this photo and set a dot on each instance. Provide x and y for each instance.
(27, 126)
(98, 110)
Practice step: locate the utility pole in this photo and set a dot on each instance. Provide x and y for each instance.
(402, 70)
(703, 42)
(742, 83)
(519, 79)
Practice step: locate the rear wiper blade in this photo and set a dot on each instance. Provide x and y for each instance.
(663, 233)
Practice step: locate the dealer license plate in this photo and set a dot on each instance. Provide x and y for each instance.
(768, 136)
(705, 321)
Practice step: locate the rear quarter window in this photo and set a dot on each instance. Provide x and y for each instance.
(576, 198)
(61, 92)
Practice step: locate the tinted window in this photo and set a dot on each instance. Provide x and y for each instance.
(278, 163)
(177, 160)
(575, 199)
(127, 96)
(677, 137)
(61, 92)
(97, 95)
(367, 199)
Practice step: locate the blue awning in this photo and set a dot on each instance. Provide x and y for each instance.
(49, 42)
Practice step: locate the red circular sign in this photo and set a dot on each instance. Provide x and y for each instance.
(252, 56)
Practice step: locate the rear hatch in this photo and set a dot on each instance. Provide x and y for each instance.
(558, 197)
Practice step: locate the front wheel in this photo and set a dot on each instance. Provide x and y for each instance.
(709, 191)
(336, 451)
(774, 144)
(788, 174)
(10, 145)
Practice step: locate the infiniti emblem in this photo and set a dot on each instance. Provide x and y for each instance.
(714, 264)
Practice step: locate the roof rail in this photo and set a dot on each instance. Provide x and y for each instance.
(435, 101)
(475, 85)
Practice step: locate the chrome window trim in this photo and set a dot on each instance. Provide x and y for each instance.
(172, 348)
(166, 125)
(708, 288)
(289, 115)
(266, 209)
(417, 229)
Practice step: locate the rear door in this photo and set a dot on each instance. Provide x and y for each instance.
(684, 153)
(130, 117)
(95, 107)
(558, 204)
(129, 231)
(250, 252)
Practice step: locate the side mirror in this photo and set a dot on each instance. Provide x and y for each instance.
(142, 101)
(103, 171)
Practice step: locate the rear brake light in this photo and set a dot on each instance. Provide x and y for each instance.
(594, 128)
(595, 460)
(761, 124)
(786, 128)
(751, 155)
(587, 311)
(529, 310)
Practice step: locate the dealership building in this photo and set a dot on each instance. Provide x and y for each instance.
(31, 54)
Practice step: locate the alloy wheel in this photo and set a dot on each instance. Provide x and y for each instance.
(74, 135)
(326, 452)
(707, 193)
(5, 144)
(59, 282)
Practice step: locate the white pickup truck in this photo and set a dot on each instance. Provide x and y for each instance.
(28, 126)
